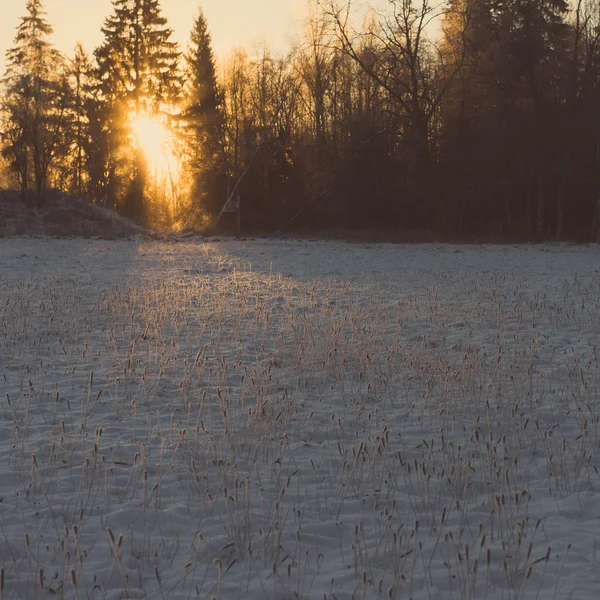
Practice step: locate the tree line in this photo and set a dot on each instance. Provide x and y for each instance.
(477, 119)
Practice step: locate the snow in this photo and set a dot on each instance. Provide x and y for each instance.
(294, 419)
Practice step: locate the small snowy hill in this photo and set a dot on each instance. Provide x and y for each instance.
(62, 217)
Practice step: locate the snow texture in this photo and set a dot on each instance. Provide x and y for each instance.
(293, 419)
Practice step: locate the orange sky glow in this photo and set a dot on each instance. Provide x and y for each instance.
(233, 23)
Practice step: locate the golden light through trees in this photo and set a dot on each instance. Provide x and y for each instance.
(485, 125)
(156, 143)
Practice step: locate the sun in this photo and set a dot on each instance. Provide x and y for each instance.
(156, 142)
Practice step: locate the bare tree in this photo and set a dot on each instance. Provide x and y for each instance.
(404, 67)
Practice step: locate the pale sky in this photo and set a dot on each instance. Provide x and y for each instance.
(233, 23)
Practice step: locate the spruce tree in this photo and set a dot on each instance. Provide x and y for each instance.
(203, 120)
(138, 62)
(34, 102)
(138, 72)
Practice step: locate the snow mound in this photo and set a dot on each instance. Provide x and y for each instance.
(62, 217)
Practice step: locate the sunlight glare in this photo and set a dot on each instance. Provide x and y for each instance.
(156, 142)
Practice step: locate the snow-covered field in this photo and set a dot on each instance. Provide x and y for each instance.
(279, 420)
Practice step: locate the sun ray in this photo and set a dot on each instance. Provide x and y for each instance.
(156, 142)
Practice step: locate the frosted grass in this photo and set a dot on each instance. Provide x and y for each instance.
(298, 420)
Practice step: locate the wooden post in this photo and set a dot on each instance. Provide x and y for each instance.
(239, 217)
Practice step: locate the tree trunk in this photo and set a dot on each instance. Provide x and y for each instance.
(540, 206)
(39, 191)
(560, 201)
(596, 221)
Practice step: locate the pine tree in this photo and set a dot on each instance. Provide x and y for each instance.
(138, 62)
(204, 122)
(34, 102)
(138, 73)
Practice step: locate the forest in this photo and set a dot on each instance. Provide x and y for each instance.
(473, 120)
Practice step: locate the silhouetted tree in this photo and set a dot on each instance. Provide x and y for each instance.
(78, 144)
(34, 102)
(489, 130)
(137, 72)
(315, 58)
(261, 105)
(510, 88)
(203, 121)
